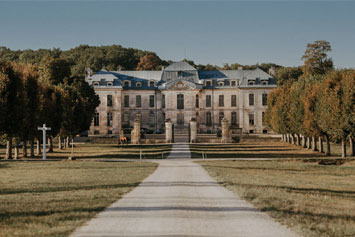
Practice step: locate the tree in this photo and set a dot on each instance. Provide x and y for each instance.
(149, 62)
(11, 103)
(315, 58)
(54, 70)
(287, 74)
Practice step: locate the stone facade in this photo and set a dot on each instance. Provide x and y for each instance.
(180, 93)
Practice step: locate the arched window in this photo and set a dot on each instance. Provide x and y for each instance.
(180, 101)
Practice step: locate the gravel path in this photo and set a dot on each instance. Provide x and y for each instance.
(181, 199)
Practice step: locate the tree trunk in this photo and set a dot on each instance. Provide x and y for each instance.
(24, 148)
(293, 139)
(298, 139)
(50, 141)
(343, 148)
(32, 144)
(67, 141)
(303, 141)
(309, 143)
(314, 144)
(8, 155)
(352, 147)
(16, 152)
(320, 144)
(327, 147)
(38, 148)
(59, 142)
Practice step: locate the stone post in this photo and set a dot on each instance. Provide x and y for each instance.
(226, 136)
(193, 130)
(136, 132)
(168, 131)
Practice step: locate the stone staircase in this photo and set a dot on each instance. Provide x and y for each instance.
(180, 151)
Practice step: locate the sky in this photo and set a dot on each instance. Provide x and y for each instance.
(208, 32)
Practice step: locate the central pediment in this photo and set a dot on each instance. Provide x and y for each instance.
(180, 85)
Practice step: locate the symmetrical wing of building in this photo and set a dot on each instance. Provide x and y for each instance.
(180, 92)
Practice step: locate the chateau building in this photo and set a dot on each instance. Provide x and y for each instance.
(180, 92)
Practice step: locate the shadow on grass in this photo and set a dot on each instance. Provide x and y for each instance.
(64, 189)
(341, 193)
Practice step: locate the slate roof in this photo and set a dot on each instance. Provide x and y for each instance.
(144, 77)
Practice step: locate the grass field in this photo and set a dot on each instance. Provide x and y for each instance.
(312, 199)
(258, 149)
(53, 198)
(109, 151)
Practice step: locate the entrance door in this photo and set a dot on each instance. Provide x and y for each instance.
(180, 120)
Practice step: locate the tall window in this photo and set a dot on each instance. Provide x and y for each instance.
(264, 99)
(208, 100)
(233, 100)
(263, 118)
(126, 101)
(234, 83)
(220, 117)
(234, 118)
(109, 100)
(221, 100)
(197, 102)
(251, 118)
(151, 101)
(180, 101)
(126, 84)
(109, 119)
(208, 83)
(151, 84)
(151, 118)
(251, 99)
(126, 119)
(163, 101)
(208, 119)
(138, 101)
(97, 119)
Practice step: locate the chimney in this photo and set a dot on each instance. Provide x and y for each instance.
(119, 68)
(272, 71)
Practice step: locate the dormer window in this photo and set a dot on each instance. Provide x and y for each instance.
(109, 84)
(208, 83)
(96, 84)
(126, 83)
(251, 82)
(233, 83)
(221, 83)
(151, 84)
(138, 84)
(264, 82)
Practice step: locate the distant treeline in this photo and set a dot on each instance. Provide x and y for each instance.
(111, 57)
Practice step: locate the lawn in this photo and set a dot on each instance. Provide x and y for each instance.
(108, 151)
(55, 197)
(312, 199)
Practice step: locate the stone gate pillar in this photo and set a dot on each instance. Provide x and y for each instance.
(136, 132)
(226, 136)
(193, 130)
(168, 131)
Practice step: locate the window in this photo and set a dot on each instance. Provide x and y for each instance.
(208, 83)
(180, 101)
(109, 119)
(151, 101)
(109, 84)
(109, 132)
(126, 101)
(251, 118)
(208, 100)
(264, 99)
(126, 83)
(251, 99)
(220, 83)
(138, 84)
(233, 100)
(208, 119)
(264, 82)
(220, 117)
(250, 83)
(151, 119)
(151, 84)
(163, 101)
(163, 117)
(138, 101)
(96, 84)
(234, 118)
(234, 83)
(221, 100)
(197, 102)
(109, 100)
(126, 119)
(97, 119)
(96, 132)
(263, 118)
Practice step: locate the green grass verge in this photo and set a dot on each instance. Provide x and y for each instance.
(54, 198)
(311, 199)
